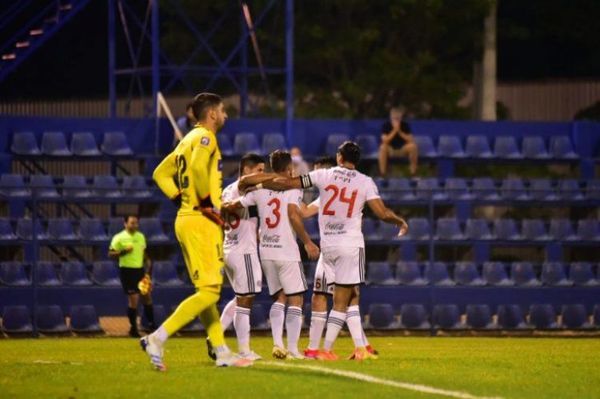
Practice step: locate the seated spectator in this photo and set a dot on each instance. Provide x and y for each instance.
(397, 141)
(188, 121)
(298, 163)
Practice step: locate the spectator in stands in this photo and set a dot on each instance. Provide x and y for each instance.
(188, 121)
(324, 163)
(397, 141)
(129, 247)
(299, 164)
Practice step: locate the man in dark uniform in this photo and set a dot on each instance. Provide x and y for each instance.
(397, 141)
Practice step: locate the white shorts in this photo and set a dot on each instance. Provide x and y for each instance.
(346, 264)
(244, 273)
(284, 275)
(324, 281)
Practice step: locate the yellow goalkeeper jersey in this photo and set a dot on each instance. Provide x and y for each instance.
(193, 170)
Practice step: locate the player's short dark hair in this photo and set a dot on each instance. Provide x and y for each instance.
(326, 162)
(280, 160)
(350, 152)
(250, 160)
(131, 215)
(203, 102)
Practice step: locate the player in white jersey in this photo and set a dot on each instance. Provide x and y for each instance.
(280, 222)
(242, 265)
(343, 192)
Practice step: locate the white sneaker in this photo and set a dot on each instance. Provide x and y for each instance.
(155, 351)
(295, 356)
(230, 359)
(250, 356)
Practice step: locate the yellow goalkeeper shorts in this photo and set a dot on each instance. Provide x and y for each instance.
(201, 242)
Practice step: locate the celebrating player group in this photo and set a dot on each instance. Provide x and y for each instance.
(268, 208)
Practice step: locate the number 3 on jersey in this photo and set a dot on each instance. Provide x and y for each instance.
(341, 195)
(276, 204)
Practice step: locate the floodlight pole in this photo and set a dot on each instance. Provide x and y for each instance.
(112, 61)
(155, 55)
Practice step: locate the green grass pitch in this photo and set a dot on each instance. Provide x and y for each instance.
(481, 367)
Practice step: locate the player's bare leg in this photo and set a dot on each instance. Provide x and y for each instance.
(318, 320)
(337, 317)
(277, 317)
(293, 325)
(384, 153)
(411, 151)
(241, 322)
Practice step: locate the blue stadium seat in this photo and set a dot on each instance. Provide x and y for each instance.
(115, 143)
(465, 273)
(61, 229)
(46, 274)
(588, 229)
(569, 190)
(562, 230)
(388, 231)
(152, 229)
(12, 185)
(369, 148)
(425, 146)
(534, 230)
(429, 187)
(43, 186)
(398, 189)
(272, 142)
(225, 145)
(562, 148)
(523, 274)
(106, 187)
(437, 274)
(16, 319)
(380, 273)
(160, 315)
(543, 317)
(6, 230)
(369, 229)
(478, 229)
(553, 274)
(413, 316)
(165, 274)
(542, 190)
(514, 189)
(333, 142)
(592, 190)
(24, 143)
(92, 230)
(75, 186)
(381, 317)
(84, 319)
(418, 229)
(136, 186)
(25, 229)
(450, 147)
(105, 273)
(506, 147)
(456, 188)
(478, 147)
(447, 317)
(510, 317)
(494, 273)
(409, 273)
(534, 147)
(55, 144)
(115, 225)
(74, 273)
(479, 317)
(50, 319)
(484, 188)
(582, 274)
(575, 317)
(312, 227)
(14, 274)
(448, 229)
(84, 144)
(244, 143)
(506, 229)
(258, 317)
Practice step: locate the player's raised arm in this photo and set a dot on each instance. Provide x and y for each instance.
(387, 215)
(298, 225)
(254, 179)
(309, 210)
(164, 175)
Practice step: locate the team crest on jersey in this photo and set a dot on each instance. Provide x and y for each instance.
(205, 141)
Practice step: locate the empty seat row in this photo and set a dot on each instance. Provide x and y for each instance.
(63, 229)
(480, 317)
(82, 144)
(245, 142)
(74, 186)
(486, 188)
(50, 319)
(498, 274)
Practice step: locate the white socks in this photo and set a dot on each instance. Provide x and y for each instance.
(241, 322)
(335, 322)
(228, 314)
(317, 325)
(277, 316)
(355, 326)
(293, 325)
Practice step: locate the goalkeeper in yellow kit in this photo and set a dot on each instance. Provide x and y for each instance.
(192, 174)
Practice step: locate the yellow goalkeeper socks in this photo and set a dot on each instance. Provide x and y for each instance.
(192, 307)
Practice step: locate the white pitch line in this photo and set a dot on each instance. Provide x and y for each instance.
(381, 381)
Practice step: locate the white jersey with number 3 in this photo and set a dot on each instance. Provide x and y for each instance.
(277, 238)
(342, 196)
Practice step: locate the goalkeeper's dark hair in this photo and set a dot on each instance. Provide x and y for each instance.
(350, 152)
(203, 102)
(280, 160)
(250, 160)
(326, 162)
(128, 216)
